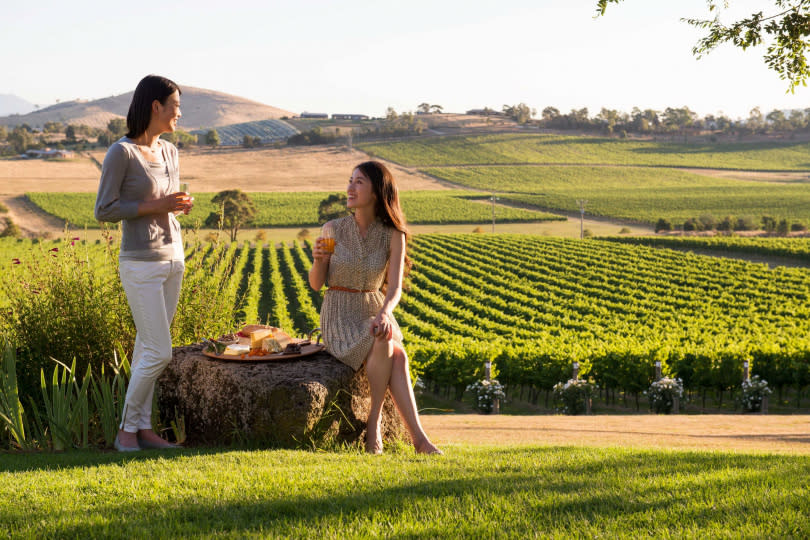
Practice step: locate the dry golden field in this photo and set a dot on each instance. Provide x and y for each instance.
(787, 434)
(206, 170)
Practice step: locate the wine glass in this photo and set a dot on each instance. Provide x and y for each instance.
(328, 238)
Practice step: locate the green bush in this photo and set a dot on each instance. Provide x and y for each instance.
(662, 394)
(63, 303)
(663, 225)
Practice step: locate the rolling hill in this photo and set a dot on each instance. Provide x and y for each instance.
(201, 109)
(11, 104)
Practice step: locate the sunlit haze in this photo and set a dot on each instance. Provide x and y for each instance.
(360, 56)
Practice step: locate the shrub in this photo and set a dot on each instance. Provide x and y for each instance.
(798, 227)
(624, 230)
(64, 304)
(3, 208)
(10, 229)
(662, 394)
(486, 392)
(261, 236)
(663, 224)
(745, 223)
(783, 228)
(478, 230)
(587, 233)
(691, 224)
(752, 393)
(727, 224)
(571, 397)
(708, 222)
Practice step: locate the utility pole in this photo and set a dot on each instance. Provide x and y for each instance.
(581, 203)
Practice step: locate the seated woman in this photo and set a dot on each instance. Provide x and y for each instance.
(365, 273)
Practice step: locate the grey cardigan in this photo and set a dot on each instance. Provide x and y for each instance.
(125, 182)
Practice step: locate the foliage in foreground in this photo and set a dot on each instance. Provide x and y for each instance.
(472, 492)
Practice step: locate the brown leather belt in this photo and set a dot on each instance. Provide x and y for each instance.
(344, 289)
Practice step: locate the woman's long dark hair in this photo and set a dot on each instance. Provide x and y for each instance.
(388, 209)
(151, 88)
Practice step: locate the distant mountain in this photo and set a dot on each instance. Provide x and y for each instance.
(11, 104)
(201, 108)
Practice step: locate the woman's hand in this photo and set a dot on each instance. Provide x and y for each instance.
(174, 202)
(318, 251)
(382, 327)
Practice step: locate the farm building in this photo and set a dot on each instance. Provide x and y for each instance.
(314, 115)
(48, 153)
(349, 117)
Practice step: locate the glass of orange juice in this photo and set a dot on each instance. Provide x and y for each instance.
(328, 238)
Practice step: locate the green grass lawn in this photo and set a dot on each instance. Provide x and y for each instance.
(473, 492)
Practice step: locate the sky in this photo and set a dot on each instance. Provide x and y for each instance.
(362, 56)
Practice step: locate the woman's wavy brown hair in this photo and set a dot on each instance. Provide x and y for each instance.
(388, 209)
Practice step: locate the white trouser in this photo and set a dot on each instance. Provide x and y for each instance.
(153, 289)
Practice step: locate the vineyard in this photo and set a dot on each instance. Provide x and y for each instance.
(533, 306)
(640, 181)
(795, 248)
(268, 131)
(637, 194)
(505, 149)
(301, 209)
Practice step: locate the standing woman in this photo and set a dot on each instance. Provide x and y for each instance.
(139, 187)
(365, 274)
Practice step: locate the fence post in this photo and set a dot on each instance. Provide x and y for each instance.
(746, 374)
(575, 371)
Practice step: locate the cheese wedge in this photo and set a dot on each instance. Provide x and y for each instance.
(271, 345)
(257, 336)
(236, 349)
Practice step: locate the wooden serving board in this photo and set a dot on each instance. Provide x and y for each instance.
(306, 350)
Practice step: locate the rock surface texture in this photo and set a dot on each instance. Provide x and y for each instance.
(292, 403)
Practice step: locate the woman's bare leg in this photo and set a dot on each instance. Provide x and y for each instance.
(402, 392)
(378, 371)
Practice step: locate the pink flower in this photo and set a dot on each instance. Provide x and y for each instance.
(54, 249)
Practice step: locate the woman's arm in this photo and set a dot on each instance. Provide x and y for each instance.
(110, 207)
(382, 326)
(320, 265)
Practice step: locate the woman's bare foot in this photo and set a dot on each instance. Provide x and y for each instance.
(427, 447)
(374, 444)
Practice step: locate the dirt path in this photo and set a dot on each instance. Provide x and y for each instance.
(29, 217)
(738, 433)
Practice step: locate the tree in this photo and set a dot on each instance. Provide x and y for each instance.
(520, 113)
(52, 127)
(332, 207)
(3, 133)
(755, 121)
(70, 132)
(787, 31)
(236, 209)
(423, 107)
(436, 109)
(20, 139)
(212, 138)
(117, 128)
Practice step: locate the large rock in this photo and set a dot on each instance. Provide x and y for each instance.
(294, 402)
